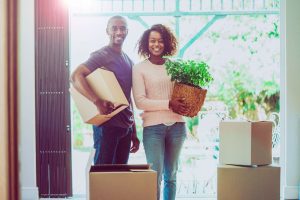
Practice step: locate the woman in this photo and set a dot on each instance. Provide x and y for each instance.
(164, 131)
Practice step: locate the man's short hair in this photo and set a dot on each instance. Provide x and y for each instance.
(115, 17)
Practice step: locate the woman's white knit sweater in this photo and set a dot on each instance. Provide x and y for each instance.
(152, 89)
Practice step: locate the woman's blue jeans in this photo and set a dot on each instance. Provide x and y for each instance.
(162, 147)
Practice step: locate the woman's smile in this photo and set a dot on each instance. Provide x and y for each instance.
(156, 43)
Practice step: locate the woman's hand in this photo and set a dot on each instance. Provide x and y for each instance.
(178, 105)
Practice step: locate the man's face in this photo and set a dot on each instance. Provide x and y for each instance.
(117, 31)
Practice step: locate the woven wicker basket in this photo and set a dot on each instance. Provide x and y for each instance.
(194, 97)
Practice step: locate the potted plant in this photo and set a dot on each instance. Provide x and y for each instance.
(191, 77)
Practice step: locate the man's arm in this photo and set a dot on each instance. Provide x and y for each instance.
(78, 80)
(134, 139)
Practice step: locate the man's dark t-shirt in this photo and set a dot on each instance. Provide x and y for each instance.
(121, 65)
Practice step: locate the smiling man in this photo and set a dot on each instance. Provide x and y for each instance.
(114, 139)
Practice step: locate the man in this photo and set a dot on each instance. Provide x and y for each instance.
(112, 140)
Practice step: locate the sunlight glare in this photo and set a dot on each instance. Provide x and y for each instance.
(80, 5)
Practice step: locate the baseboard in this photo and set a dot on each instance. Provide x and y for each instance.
(29, 193)
(291, 192)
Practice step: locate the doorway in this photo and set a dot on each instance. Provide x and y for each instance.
(210, 36)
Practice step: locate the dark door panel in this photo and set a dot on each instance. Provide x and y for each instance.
(52, 99)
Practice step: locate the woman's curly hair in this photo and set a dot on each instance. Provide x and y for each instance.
(170, 41)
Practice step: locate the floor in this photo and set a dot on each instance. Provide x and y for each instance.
(85, 199)
(81, 197)
(176, 199)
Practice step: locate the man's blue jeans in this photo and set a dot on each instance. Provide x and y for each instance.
(162, 147)
(112, 144)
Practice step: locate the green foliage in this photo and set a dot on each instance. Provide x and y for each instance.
(274, 33)
(192, 123)
(214, 36)
(268, 97)
(78, 140)
(189, 72)
(255, 34)
(244, 98)
(246, 75)
(78, 128)
(138, 124)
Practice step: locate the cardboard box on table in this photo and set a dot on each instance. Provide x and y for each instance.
(106, 87)
(245, 143)
(126, 182)
(248, 183)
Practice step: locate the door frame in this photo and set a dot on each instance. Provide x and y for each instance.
(9, 167)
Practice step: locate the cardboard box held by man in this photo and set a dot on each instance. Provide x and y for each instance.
(106, 87)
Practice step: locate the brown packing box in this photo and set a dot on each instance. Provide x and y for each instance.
(106, 86)
(126, 182)
(245, 143)
(248, 183)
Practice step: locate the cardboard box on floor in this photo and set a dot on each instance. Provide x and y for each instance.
(126, 182)
(248, 183)
(245, 143)
(106, 86)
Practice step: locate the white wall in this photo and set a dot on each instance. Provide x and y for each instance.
(290, 97)
(27, 151)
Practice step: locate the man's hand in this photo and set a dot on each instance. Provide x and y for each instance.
(135, 142)
(179, 106)
(104, 107)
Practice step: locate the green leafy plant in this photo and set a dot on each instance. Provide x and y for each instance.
(190, 72)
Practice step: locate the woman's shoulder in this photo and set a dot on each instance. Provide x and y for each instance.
(141, 65)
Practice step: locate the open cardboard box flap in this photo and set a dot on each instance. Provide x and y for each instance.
(119, 167)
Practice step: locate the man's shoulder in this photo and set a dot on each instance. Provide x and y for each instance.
(98, 58)
(102, 56)
(103, 52)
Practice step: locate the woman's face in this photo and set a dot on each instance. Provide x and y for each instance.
(156, 44)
